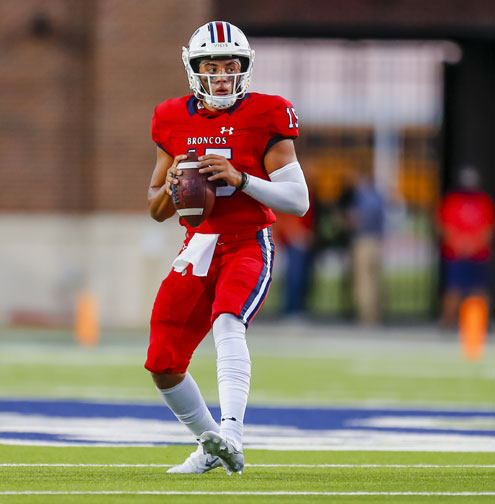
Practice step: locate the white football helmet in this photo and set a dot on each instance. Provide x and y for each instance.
(218, 40)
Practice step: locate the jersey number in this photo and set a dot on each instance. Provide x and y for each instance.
(226, 152)
(291, 112)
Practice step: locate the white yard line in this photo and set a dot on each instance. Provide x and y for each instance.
(172, 492)
(309, 466)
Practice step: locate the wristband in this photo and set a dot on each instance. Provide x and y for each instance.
(244, 181)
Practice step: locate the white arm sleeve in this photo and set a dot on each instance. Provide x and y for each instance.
(286, 191)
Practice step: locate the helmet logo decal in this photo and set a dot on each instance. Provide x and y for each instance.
(219, 31)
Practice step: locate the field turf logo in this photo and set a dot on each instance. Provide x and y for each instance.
(70, 423)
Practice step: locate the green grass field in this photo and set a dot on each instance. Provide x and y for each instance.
(322, 472)
(292, 365)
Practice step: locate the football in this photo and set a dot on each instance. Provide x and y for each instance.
(194, 195)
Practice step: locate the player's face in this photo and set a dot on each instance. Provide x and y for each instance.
(222, 76)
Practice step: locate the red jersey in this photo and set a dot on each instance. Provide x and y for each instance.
(243, 134)
(467, 219)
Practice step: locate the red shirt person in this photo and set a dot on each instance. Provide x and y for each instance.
(467, 222)
(466, 219)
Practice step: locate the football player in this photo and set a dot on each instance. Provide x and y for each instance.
(245, 142)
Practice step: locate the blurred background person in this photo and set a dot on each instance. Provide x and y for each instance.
(296, 236)
(364, 211)
(465, 220)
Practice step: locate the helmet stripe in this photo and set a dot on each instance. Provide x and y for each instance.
(212, 33)
(228, 32)
(220, 33)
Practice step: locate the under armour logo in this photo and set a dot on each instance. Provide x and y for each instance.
(224, 130)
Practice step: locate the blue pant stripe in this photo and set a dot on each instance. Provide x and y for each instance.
(258, 294)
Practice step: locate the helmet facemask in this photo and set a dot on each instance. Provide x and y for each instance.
(202, 84)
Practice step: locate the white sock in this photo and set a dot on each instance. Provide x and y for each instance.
(233, 373)
(187, 404)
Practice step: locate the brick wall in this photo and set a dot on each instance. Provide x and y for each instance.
(39, 96)
(79, 82)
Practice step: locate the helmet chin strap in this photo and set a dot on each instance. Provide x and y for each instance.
(220, 102)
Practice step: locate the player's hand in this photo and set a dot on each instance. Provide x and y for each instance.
(173, 172)
(220, 169)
